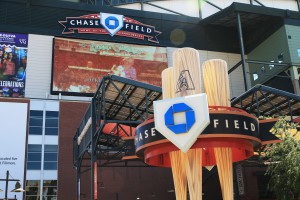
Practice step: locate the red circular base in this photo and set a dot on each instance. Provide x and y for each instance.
(158, 155)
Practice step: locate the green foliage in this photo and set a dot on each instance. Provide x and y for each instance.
(284, 161)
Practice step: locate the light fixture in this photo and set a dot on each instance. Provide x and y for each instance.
(18, 188)
(255, 76)
(280, 58)
(272, 66)
(171, 190)
(263, 70)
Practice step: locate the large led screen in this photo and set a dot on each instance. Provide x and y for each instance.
(79, 65)
(13, 62)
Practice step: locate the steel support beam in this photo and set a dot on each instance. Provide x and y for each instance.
(234, 67)
(142, 5)
(240, 34)
(270, 102)
(214, 5)
(93, 146)
(78, 183)
(259, 3)
(200, 10)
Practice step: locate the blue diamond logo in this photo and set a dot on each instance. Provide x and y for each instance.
(189, 118)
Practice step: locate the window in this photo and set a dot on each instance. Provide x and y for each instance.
(51, 124)
(50, 157)
(50, 189)
(32, 190)
(34, 157)
(36, 122)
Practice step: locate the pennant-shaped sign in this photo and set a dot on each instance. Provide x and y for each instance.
(181, 120)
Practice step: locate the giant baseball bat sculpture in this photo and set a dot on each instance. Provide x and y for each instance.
(216, 85)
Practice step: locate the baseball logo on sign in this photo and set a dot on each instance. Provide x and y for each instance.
(181, 127)
(181, 120)
(111, 22)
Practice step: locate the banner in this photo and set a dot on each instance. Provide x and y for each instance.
(13, 123)
(79, 65)
(13, 62)
(108, 23)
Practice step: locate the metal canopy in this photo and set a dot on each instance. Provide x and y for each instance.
(118, 106)
(252, 15)
(266, 101)
(126, 100)
(258, 22)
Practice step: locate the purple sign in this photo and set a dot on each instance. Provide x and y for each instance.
(19, 40)
(13, 62)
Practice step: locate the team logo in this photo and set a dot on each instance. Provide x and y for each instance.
(112, 23)
(189, 118)
(181, 120)
(185, 81)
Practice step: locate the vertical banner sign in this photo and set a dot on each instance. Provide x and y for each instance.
(13, 61)
(240, 179)
(13, 123)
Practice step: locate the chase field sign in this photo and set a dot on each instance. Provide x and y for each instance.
(181, 120)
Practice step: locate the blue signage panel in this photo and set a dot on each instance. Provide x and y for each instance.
(13, 62)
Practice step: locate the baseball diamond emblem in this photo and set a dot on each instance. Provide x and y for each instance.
(182, 119)
(112, 22)
(189, 118)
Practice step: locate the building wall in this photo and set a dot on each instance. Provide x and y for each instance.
(207, 10)
(293, 35)
(71, 114)
(191, 7)
(39, 68)
(187, 7)
(236, 81)
(269, 50)
(42, 149)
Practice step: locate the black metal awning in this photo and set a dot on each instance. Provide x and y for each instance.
(266, 101)
(258, 22)
(125, 99)
(118, 105)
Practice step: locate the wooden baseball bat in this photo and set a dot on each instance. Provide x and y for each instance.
(187, 74)
(176, 157)
(216, 85)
